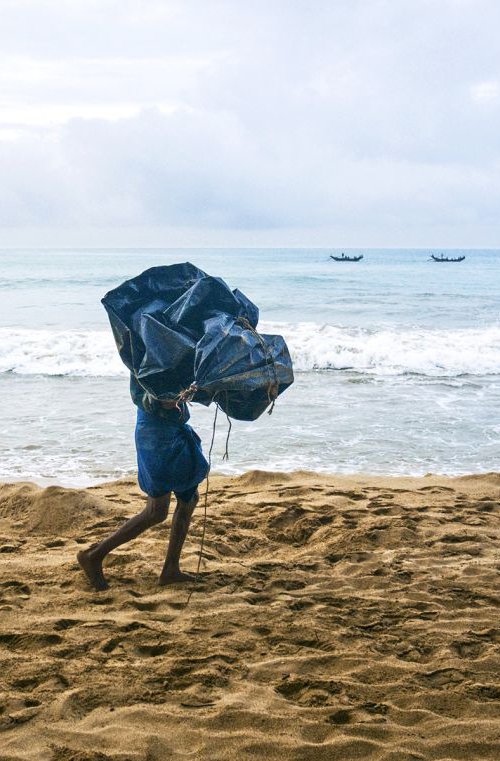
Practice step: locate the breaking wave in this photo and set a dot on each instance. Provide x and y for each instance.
(59, 352)
(434, 353)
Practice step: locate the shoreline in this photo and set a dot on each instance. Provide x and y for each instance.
(335, 617)
(361, 476)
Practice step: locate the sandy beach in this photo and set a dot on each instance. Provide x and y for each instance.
(336, 618)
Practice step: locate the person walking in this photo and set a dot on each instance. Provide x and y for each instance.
(170, 460)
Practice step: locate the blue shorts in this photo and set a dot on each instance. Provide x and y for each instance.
(169, 457)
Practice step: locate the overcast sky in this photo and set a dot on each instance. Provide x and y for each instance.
(282, 122)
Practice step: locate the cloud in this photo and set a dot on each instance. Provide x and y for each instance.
(252, 116)
(485, 91)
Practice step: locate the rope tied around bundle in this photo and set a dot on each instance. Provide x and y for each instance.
(273, 385)
(185, 396)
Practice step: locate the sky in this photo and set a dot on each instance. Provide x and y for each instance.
(337, 123)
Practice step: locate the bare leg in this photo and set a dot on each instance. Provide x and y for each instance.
(181, 519)
(91, 559)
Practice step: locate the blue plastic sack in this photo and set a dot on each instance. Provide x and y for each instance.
(186, 335)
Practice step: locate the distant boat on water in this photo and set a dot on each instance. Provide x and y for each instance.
(444, 258)
(345, 258)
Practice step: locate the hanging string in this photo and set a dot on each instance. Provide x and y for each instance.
(205, 504)
(186, 396)
(225, 456)
(207, 486)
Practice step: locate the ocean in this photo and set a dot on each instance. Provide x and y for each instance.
(396, 358)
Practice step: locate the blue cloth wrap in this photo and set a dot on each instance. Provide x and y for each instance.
(169, 456)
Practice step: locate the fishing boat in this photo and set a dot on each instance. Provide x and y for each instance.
(443, 258)
(345, 258)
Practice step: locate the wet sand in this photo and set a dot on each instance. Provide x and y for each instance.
(336, 618)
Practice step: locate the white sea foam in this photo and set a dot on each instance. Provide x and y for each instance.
(59, 352)
(434, 353)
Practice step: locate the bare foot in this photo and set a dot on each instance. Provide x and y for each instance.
(93, 570)
(174, 577)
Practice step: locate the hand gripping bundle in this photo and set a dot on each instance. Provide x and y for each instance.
(186, 336)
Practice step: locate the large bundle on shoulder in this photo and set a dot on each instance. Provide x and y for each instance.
(186, 336)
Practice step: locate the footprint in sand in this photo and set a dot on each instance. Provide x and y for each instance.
(436, 489)
(317, 692)
(133, 626)
(14, 591)
(334, 557)
(468, 649)
(66, 623)
(21, 641)
(152, 650)
(101, 600)
(442, 678)
(485, 692)
(342, 716)
(17, 586)
(287, 584)
(142, 605)
(109, 523)
(19, 717)
(9, 548)
(33, 681)
(299, 605)
(111, 644)
(354, 495)
(486, 506)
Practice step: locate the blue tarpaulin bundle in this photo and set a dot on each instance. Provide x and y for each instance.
(186, 336)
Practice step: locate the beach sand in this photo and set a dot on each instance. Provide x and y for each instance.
(337, 618)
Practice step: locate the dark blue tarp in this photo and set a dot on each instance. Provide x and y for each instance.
(177, 328)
